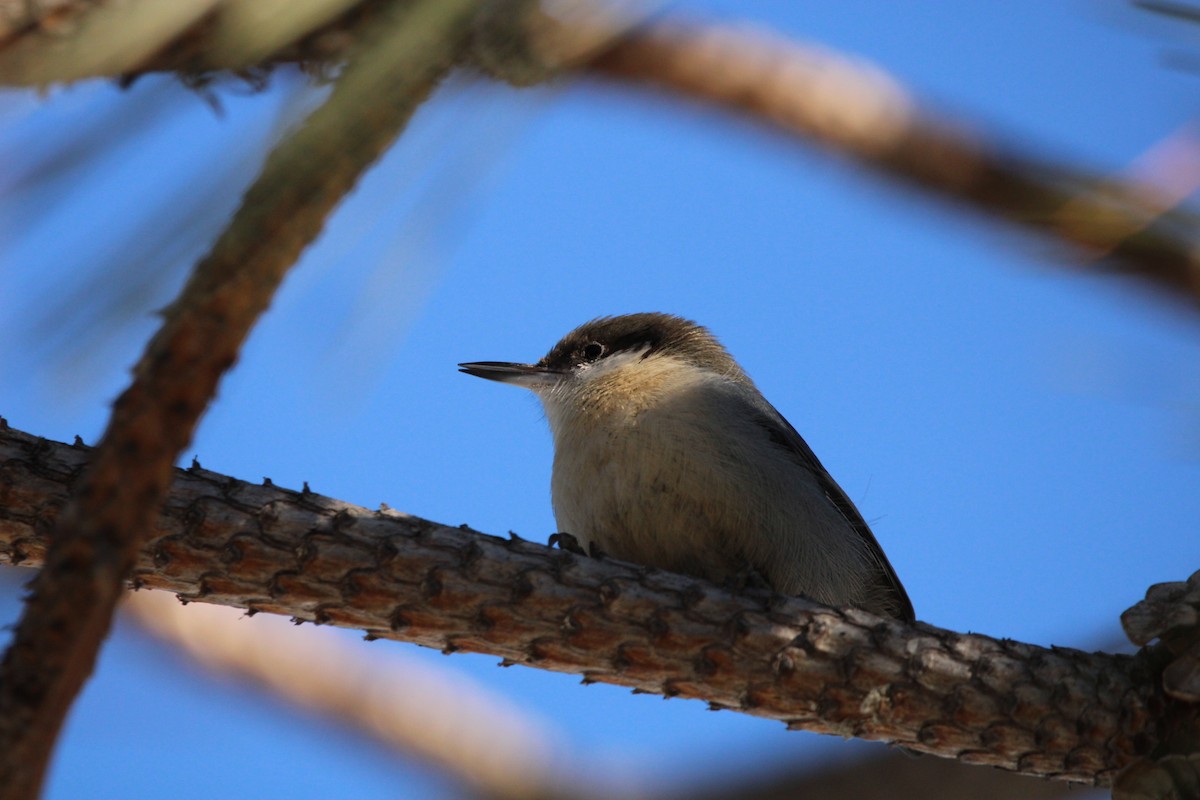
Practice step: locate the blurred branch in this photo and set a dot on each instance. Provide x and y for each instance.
(43, 42)
(1188, 12)
(70, 41)
(112, 507)
(889, 776)
(857, 110)
(23, 17)
(58, 42)
(846, 105)
(475, 738)
(1054, 712)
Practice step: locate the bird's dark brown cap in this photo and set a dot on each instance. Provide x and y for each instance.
(654, 333)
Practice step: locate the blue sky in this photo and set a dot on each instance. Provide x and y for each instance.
(1025, 440)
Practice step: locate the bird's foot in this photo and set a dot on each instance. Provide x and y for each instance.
(566, 542)
(748, 578)
(570, 544)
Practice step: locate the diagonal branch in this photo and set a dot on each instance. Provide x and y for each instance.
(837, 102)
(97, 537)
(857, 110)
(489, 746)
(1052, 712)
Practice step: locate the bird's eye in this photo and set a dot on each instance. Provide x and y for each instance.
(592, 351)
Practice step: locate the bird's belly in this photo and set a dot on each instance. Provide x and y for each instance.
(644, 497)
(714, 508)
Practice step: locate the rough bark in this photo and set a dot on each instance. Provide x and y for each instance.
(493, 749)
(1170, 613)
(1053, 712)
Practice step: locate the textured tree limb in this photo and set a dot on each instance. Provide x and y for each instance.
(479, 740)
(95, 543)
(490, 746)
(1051, 712)
(1170, 613)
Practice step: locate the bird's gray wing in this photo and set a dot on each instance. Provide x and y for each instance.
(782, 434)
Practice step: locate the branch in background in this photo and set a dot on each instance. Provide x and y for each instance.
(26, 17)
(78, 40)
(891, 776)
(112, 509)
(1053, 712)
(1187, 12)
(1169, 172)
(442, 720)
(43, 42)
(846, 105)
(857, 110)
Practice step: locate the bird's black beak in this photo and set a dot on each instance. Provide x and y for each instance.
(531, 376)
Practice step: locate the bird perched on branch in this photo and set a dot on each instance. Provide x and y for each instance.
(666, 454)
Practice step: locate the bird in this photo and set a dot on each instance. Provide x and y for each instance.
(666, 454)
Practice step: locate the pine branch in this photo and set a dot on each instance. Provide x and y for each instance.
(1051, 712)
(494, 749)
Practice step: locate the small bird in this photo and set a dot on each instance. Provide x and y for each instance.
(666, 454)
